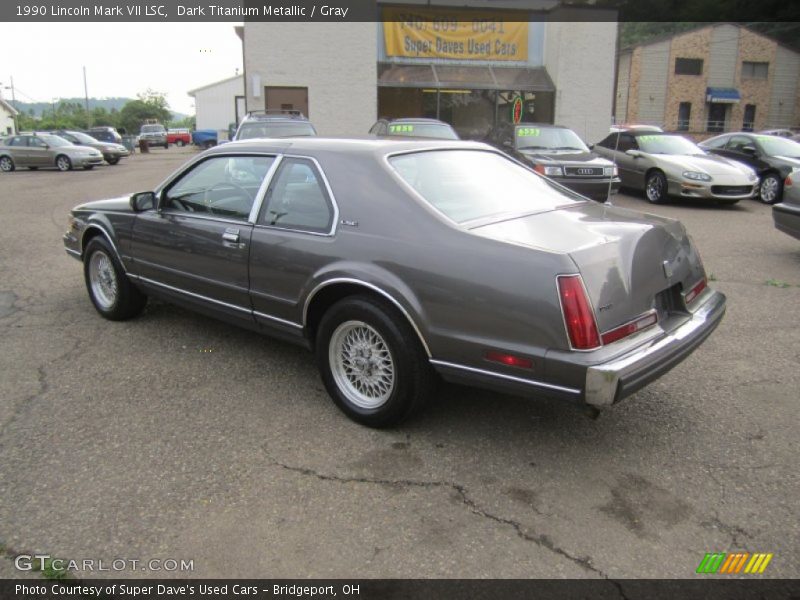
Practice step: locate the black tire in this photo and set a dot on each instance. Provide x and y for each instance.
(7, 164)
(166, 146)
(63, 163)
(655, 187)
(112, 161)
(412, 381)
(770, 188)
(88, 167)
(128, 300)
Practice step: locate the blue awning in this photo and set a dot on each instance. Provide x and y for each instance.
(723, 95)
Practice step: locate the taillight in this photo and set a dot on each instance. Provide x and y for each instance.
(788, 182)
(578, 315)
(627, 329)
(693, 293)
(539, 169)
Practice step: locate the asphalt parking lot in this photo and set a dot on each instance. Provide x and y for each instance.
(175, 436)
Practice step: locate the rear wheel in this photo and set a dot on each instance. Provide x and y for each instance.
(769, 192)
(63, 163)
(6, 164)
(372, 363)
(112, 161)
(110, 290)
(655, 188)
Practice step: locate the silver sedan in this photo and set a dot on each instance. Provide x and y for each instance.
(45, 151)
(664, 165)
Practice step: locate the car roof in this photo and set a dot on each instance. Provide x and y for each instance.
(540, 125)
(371, 145)
(638, 132)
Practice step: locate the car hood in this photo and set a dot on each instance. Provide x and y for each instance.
(703, 163)
(620, 253)
(562, 157)
(77, 149)
(121, 203)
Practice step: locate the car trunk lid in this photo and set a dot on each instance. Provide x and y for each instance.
(631, 263)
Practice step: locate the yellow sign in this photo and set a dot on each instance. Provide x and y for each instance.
(422, 33)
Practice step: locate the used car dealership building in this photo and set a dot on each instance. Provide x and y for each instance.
(527, 61)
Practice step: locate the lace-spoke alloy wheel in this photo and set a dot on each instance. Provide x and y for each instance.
(372, 362)
(110, 290)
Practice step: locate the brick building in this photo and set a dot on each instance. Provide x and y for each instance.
(715, 78)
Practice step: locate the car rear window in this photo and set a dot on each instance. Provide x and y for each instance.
(472, 185)
(275, 130)
(152, 128)
(424, 130)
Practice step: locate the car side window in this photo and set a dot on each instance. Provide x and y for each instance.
(35, 142)
(221, 186)
(737, 142)
(297, 199)
(17, 140)
(717, 143)
(626, 142)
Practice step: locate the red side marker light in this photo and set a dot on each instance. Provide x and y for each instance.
(696, 290)
(509, 359)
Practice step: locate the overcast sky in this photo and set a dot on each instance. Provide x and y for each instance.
(46, 60)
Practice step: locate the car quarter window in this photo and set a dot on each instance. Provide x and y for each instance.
(220, 186)
(297, 198)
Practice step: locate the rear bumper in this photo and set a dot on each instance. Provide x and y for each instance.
(787, 218)
(609, 382)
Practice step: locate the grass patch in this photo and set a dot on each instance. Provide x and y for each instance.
(50, 572)
(777, 283)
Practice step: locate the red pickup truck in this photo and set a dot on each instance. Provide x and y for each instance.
(179, 137)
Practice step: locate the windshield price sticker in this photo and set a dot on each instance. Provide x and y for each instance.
(528, 132)
(647, 138)
(401, 128)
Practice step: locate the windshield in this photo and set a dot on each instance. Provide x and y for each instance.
(466, 185)
(280, 129)
(548, 138)
(667, 144)
(439, 131)
(778, 146)
(54, 141)
(81, 138)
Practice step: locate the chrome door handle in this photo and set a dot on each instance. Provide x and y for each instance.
(231, 235)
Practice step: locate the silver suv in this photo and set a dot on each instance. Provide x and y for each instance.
(274, 124)
(155, 134)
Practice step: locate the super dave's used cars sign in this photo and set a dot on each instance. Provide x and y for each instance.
(422, 33)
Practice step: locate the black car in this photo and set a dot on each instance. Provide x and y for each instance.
(772, 157)
(414, 127)
(558, 153)
(274, 124)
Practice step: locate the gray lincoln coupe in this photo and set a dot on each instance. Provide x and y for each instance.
(395, 261)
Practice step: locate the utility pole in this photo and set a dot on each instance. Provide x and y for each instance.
(86, 99)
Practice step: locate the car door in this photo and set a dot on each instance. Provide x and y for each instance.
(746, 149)
(39, 153)
(196, 243)
(292, 239)
(17, 147)
(629, 167)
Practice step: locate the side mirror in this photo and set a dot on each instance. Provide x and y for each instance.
(633, 153)
(591, 146)
(142, 201)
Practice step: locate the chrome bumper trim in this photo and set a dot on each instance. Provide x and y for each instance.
(603, 381)
(511, 378)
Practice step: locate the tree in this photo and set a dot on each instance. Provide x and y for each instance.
(149, 105)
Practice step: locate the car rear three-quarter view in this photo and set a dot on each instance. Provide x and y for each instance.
(397, 262)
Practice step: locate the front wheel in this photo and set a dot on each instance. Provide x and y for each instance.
(63, 163)
(372, 364)
(110, 290)
(112, 161)
(769, 192)
(656, 187)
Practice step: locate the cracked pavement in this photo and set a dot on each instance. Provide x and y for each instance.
(176, 436)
